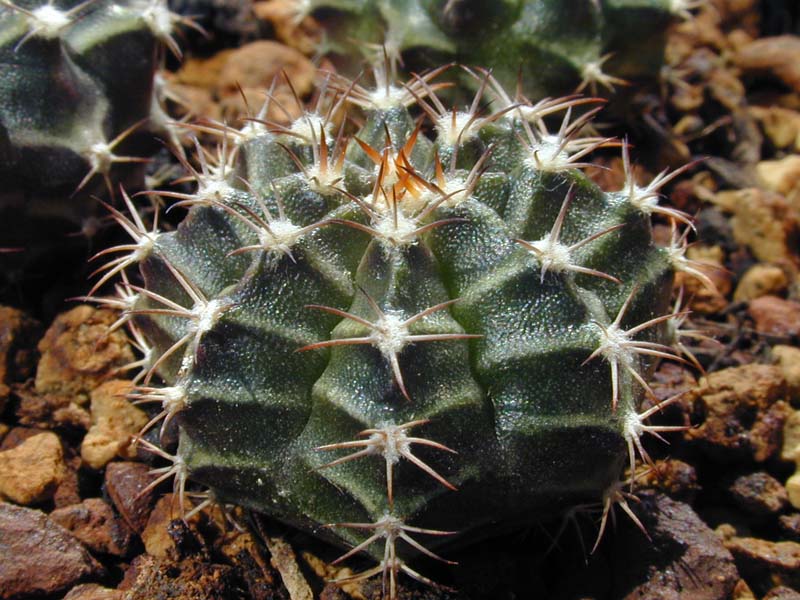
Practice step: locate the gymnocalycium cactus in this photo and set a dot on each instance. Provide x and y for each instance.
(552, 45)
(77, 87)
(397, 340)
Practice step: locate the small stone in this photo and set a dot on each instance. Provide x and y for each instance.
(685, 558)
(739, 413)
(793, 489)
(124, 484)
(778, 55)
(781, 176)
(156, 536)
(790, 525)
(759, 494)
(791, 437)
(94, 523)
(50, 411)
(762, 220)
(17, 435)
(18, 334)
(78, 353)
(92, 591)
(742, 591)
(760, 280)
(31, 472)
(788, 359)
(782, 593)
(243, 550)
(304, 34)
(781, 125)
(38, 557)
(775, 316)
(114, 422)
(705, 300)
(764, 563)
(191, 579)
(671, 476)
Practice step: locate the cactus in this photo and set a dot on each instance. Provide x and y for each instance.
(397, 341)
(78, 102)
(553, 46)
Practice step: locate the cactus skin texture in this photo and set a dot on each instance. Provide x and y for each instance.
(77, 96)
(399, 341)
(553, 45)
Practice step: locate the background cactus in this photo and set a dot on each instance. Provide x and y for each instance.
(401, 337)
(553, 46)
(78, 103)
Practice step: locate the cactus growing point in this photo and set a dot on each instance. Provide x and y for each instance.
(409, 337)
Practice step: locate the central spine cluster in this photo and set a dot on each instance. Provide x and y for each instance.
(392, 338)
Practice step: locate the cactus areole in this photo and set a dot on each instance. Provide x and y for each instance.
(406, 337)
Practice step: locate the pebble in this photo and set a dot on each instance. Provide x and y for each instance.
(31, 472)
(762, 220)
(775, 316)
(782, 593)
(790, 525)
(190, 579)
(739, 413)
(17, 348)
(78, 353)
(114, 422)
(92, 591)
(764, 563)
(156, 536)
(791, 452)
(685, 558)
(94, 523)
(124, 483)
(760, 280)
(781, 175)
(778, 55)
(788, 359)
(781, 125)
(759, 493)
(38, 557)
(305, 35)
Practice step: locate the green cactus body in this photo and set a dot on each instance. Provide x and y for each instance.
(76, 96)
(551, 45)
(410, 335)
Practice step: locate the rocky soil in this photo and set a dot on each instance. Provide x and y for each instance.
(721, 504)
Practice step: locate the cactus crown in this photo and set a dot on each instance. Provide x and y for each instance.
(407, 336)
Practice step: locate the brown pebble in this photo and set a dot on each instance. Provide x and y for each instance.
(50, 411)
(18, 335)
(782, 593)
(764, 563)
(790, 525)
(692, 561)
(775, 316)
(31, 472)
(92, 591)
(114, 422)
(782, 176)
(788, 359)
(156, 537)
(38, 557)
(190, 579)
(78, 353)
(760, 494)
(778, 55)
(739, 413)
(760, 280)
(742, 591)
(673, 477)
(124, 483)
(94, 523)
(764, 221)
